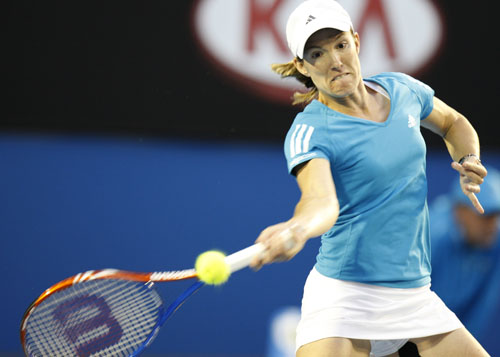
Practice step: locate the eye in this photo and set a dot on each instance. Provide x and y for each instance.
(315, 54)
(342, 45)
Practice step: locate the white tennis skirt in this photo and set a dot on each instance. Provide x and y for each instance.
(388, 317)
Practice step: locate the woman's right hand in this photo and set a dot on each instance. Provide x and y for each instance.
(281, 243)
(314, 214)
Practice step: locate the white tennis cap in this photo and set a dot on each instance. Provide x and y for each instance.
(311, 16)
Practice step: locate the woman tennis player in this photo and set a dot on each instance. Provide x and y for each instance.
(359, 159)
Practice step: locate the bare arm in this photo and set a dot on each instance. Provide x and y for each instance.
(461, 139)
(315, 213)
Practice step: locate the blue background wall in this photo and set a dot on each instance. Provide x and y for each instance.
(71, 203)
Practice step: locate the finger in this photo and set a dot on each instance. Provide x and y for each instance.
(268, 256)
(256, 262)
(265, 235)
(474, 178)
(475, 202)
(469, 166)
(476, 167)
(268, 240)
(475, 172)
(468, 176)
(280, 247)
(473, 188)
(457, 167)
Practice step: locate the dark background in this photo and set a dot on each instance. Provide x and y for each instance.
(135, 67)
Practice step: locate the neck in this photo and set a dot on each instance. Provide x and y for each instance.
(364, 103)
(352, 102)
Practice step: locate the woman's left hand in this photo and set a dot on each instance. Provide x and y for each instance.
(472, 174)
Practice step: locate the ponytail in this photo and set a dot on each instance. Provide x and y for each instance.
(286, 70)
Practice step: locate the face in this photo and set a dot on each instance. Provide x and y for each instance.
(331, 61)
(480, 230)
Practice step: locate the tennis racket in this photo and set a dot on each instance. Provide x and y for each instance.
(107, 312)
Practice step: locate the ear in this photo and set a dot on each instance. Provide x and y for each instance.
(299, 64)
(357, 42)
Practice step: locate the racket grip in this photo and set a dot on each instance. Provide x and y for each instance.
(242, 258)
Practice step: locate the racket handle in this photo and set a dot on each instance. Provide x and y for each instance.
(242, 258)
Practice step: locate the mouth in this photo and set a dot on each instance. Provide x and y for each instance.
(340, 76)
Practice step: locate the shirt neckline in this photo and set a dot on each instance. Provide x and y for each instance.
(379, 88)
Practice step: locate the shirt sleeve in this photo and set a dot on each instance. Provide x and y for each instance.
(424, 93)
(304, 142)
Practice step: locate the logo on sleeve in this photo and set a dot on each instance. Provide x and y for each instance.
(299, 142)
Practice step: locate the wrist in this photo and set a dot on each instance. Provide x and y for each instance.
(468, 157)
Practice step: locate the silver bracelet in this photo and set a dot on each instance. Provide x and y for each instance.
(461, 161)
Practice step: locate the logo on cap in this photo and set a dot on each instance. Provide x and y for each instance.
(310, 18)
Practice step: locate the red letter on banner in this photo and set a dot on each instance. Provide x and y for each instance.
(375, 8)
(263, 18)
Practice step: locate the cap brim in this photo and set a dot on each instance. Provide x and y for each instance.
(336, 25)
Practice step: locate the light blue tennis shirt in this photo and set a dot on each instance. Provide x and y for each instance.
(381, 236)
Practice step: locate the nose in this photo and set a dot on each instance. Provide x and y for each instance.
(336, 62)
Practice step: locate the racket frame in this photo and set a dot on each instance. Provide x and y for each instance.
(145, 278)
(236, 261)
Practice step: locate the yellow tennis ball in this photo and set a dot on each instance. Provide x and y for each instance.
(212, 268)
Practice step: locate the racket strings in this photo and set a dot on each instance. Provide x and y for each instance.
(93, 318)
(80, 312)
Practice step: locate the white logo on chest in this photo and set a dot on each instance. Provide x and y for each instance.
(411, 121)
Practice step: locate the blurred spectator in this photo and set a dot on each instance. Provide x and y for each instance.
(282, 327)
(466, 258)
